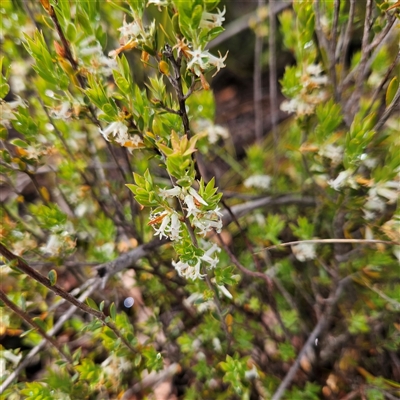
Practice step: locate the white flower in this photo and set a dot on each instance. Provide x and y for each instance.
(333, 152)
(314, 69)
(129, 31)
(174, 192)
(61, 112)
(7, 110)
(191, 206)
(217, 62)
(258, 181)
(197, 196)
(158, 3)
(304, 251)
(202, 59)
(209, 20)
(210, 252)
(170, 226)
(175, 227)
(206, 223)
(117, 129)
(225, 291)
(189, 200)
(161, 231)
(343, 179)
(214, 132)
(188, 271)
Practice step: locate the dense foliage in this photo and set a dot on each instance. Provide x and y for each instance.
(128, 263)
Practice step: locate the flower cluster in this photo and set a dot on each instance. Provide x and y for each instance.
(213, 132)
(311, 93)
(262, 182)
(7, 110)
(191, 269)
(201, 60)
(120, 133)
(99, 63)
(170, 224)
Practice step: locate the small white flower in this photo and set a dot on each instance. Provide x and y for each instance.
(197, 196)
(191, 206)
(333, 152)
(161, 231)
(117, 129)
(217, 62)
(258, 181)
(210, 20)
(304, 251)
(61, 112)
(206, 225)
(188, 271)
(217, 344)
(202, 59)
(314, 69)
(207, 256)
(225, 291)
(213, 132)
(199, 60)
(175, 227)
(158, 3)
(174, 192)
(129, 31)
(343, 179)
(7, 110)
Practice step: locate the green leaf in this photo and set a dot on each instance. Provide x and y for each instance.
(52, 275)
(391, 90)
(113, 312)
(91, 303)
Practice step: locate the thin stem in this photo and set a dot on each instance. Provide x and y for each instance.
(319, 328)
(273, 80)
(260, 275)
(388, 112)
(25, 317)
(257, 80)
(56, 328)
(378, 90)
(346, 42)
(324, 241)
(25, 268)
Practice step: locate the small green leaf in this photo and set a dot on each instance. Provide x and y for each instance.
(391, 90)
(113, 312)
(19, 143)
(52, 275)
(91, 303)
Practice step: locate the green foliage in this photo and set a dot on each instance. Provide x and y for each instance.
(121, 189)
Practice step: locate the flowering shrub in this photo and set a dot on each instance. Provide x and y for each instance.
(127, 262)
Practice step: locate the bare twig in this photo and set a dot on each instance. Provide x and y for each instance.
(324, 241)
(319, 328)
(38, 277)
(254, 274)
(388, 112)
(24, 316)
(273, 81)
(346, 41)
(257, 78)
(56, 328)
(244, 23)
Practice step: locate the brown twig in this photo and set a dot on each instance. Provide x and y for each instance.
(273, 81)
(38, 277)
(24, 316)
(257, 75)
(325, 241)
(319, 328)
